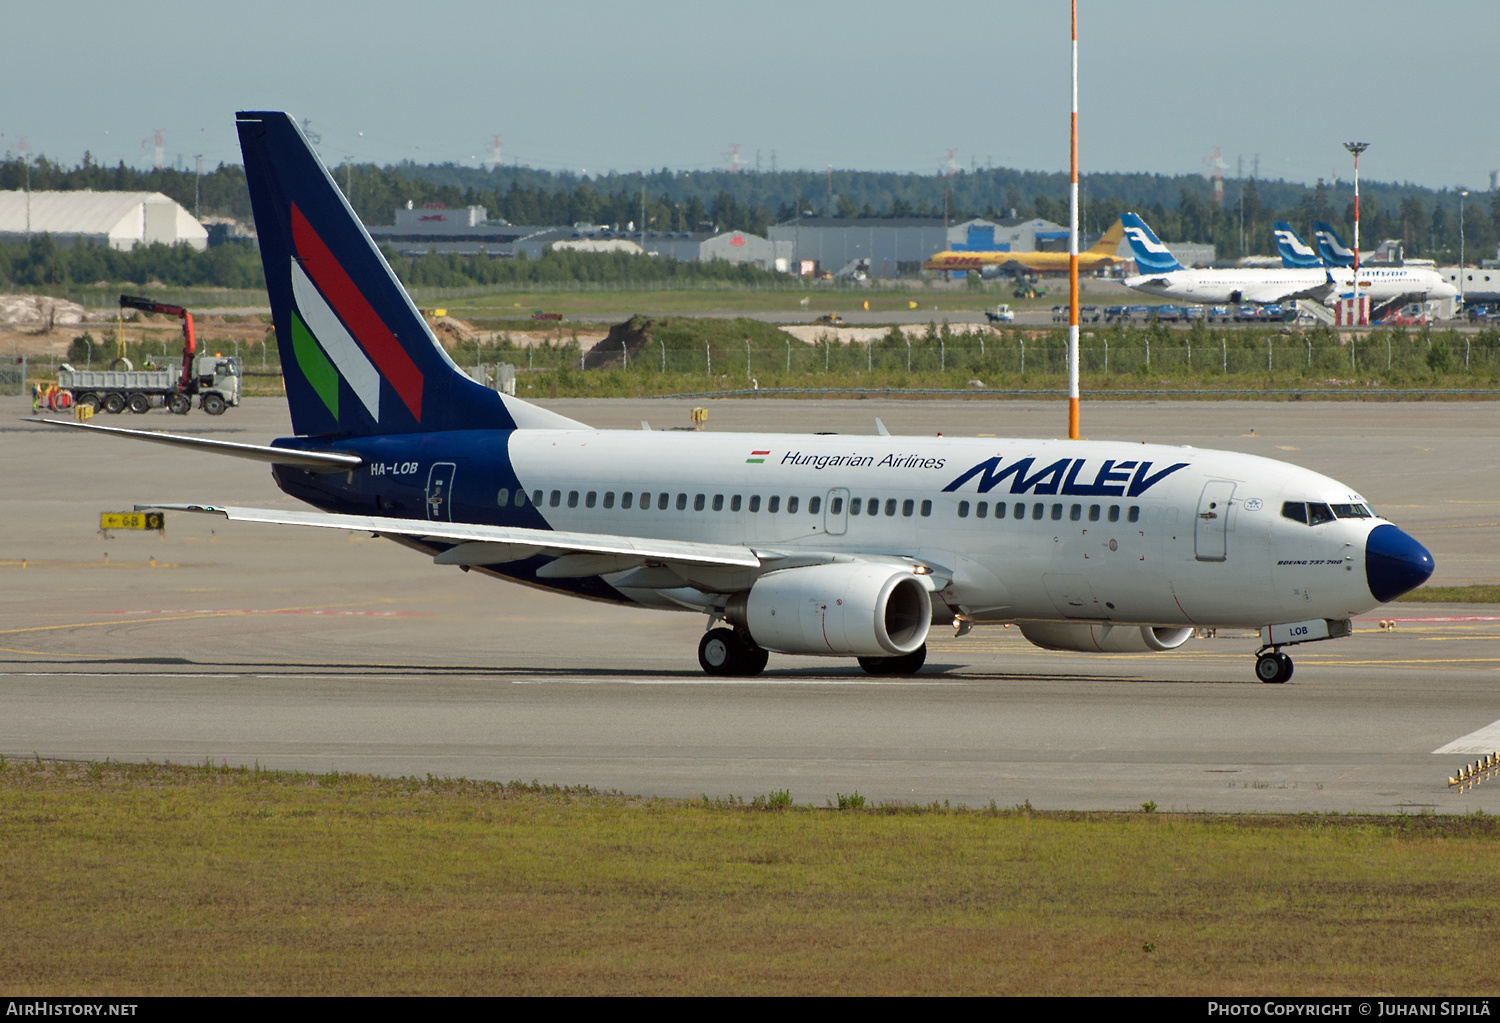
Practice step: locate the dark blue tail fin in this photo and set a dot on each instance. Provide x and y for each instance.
(1296, 254)
(357, 357)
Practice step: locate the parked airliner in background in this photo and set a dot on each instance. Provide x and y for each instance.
(838, 546)
(1330, 246)
(1296, 254)
(1161, 275)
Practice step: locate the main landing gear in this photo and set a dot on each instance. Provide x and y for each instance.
(1273, 666)
(724, 652)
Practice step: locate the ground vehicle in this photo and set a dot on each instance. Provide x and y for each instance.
(1274, 311)
(539, 315)
(830, 320)
(1246, 313)
(1478, 312)
(1168, 313)
(1113, 313)
(213, 379)
(1000, 314)
(1217, 313)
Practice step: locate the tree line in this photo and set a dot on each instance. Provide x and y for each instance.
(1180, 208)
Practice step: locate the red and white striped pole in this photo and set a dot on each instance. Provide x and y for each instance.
(1356, 148)
(1073, 245)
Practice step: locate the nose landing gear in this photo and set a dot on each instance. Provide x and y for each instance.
(1273, 666)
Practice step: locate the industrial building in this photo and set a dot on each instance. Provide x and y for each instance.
(893, 246)
(121, 220)
(469, 232)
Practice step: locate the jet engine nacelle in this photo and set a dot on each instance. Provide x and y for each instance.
(1104, 638)
(858, 609)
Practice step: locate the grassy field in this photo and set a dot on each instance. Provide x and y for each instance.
(1479, 593)
(171, 880)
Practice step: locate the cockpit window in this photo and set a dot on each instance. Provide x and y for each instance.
(1294, 510)
(1317, 514)
(1351, 511)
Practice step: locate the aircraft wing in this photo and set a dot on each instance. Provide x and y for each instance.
(494, 545)
(316, 461)
(1286, 292)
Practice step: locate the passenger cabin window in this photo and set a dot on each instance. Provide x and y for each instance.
(609, 499)
(926, 509)
(662, 500)
(626, 499)
(981, 509)
(520, 498)
(1057, 513)
(1020, 510)
(1294, 510)
(1114, 513)
(908, 506)
(503, 498)
(1093, 513)
(536, 497)
(1075, 513)
(682, 502)
(698, 502)
(1317, 514)
(814, 505)
(572, 499)
(1038, 510)
(773, 505)
(555, 499)
(836, 506)
(755, 502)
(1135, 513)
(963, 509)
(890, 506)
(718, 502)
(791, 505)
(591, 498)
(734, 503)
(854, 504)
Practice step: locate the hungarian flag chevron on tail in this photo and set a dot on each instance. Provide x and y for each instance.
(357, 356)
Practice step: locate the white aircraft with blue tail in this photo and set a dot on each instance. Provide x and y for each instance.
(838, 546)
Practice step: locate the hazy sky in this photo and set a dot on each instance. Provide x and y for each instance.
(870, 85)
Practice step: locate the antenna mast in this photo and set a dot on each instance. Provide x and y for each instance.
(1073, 245)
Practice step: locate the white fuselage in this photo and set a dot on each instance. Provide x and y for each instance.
(1380, 285)
(1086, 530)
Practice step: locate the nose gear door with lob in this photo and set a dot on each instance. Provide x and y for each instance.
(1211, 533)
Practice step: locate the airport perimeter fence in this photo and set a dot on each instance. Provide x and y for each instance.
(13, 374)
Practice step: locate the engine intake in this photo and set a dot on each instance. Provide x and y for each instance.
(858, 609)
(1104, 638)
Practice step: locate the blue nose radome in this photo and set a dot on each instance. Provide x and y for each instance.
(1394, 563)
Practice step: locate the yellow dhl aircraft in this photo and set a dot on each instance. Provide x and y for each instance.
(1097, 257)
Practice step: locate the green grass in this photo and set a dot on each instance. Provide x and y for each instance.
(1478, 593)
(158, 879)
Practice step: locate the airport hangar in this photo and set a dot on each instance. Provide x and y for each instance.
(121, 220)
(468, 231)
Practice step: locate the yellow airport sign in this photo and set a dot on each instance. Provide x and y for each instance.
(132, 520)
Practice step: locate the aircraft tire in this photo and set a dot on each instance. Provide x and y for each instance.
(720, 652)
(906, 664)
(753, 662)
(1273, 668)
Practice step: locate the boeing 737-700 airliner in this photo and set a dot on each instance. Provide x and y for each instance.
(830, 545)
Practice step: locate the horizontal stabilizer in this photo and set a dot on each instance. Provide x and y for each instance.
(317, 461)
